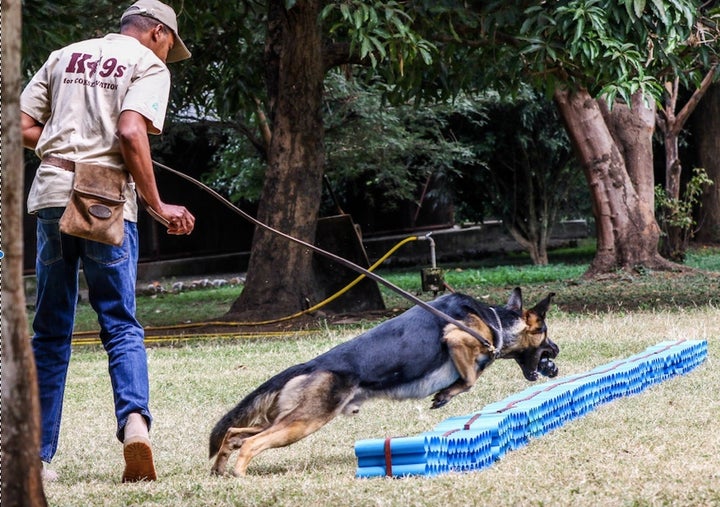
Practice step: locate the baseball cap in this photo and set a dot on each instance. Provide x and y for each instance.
(165, 15)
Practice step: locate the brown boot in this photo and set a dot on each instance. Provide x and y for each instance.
(137, 450)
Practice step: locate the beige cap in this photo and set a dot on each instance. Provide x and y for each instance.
(165, 15)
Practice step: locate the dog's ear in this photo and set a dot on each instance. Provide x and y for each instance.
(515, 301)
(542, 307)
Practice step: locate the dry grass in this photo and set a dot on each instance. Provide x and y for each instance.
(661, 447)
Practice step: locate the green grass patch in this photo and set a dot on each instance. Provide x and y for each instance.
(168, 309)
(622, 453)
(706, 258)
(186, 307)
(489, 281)
(619, 454)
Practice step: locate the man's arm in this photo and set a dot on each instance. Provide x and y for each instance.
(135, 149)
(31, 130)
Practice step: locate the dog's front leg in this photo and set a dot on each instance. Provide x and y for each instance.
(464, 350)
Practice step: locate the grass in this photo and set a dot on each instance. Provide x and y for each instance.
(644, 290)
(657, 448)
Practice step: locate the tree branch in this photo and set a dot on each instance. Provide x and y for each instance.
(336, 54)
(692, 103)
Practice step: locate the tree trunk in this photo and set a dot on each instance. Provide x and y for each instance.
(707, 132)
(21, 467)
(537, 248)
(671, 124)
(280, 277)
(632, 130)
(673, 245)
(627, 233)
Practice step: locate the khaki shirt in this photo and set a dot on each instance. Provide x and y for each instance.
(78, 96)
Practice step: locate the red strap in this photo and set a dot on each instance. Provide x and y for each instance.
(388, 458)
(470, 421)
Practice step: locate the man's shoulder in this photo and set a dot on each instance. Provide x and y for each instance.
(129, 45)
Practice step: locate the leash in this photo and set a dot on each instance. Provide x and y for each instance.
(336, 258)
(498, 332)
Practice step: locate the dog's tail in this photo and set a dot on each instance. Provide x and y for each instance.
(256, 409)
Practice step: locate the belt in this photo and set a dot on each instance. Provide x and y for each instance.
(62, 163)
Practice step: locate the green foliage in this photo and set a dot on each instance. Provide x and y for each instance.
(531, 178)
(612, 48)
(384, 152)
(378, 31)
(225, 75)
(239, 171)
(674, 213)
(47, 26)
(424, 50)
(379, 152)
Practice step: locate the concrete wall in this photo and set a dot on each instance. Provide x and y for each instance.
(451, 245)
(466, 243)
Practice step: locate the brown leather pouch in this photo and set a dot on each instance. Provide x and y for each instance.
(95, 210)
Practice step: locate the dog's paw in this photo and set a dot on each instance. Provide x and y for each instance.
(440, 400)
(217, 473)
(219, 467)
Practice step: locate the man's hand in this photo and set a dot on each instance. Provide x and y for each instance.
(180, 220)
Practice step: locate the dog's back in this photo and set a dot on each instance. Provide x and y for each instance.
(400, 350)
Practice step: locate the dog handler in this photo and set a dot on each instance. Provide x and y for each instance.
(94, 102)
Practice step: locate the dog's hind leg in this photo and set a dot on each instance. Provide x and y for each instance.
(234, 438)
(308, 405)
(464, 351)
(294, 427)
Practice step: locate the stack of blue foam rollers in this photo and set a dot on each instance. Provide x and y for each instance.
(475, 441)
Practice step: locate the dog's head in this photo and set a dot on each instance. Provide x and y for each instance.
(529, 344)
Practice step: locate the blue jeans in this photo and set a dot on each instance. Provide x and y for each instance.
(111, 274)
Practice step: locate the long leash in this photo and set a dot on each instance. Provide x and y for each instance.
(336, 258)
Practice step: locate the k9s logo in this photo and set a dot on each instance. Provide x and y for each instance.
(79, 62)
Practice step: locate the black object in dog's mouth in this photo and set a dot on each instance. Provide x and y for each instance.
(547, 367)
(540, 363)
(534, 362)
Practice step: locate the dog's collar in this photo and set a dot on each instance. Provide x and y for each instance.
(498, 345)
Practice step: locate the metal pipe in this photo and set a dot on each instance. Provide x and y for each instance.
(433, 258)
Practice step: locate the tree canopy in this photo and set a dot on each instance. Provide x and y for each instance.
(414, 51)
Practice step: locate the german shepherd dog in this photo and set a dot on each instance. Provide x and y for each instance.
(413, 355)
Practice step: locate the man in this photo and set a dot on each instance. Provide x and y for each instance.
(94, 102)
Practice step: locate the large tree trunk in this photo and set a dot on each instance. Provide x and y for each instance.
(707, 132)
(280, 277)
(21, 481)
(632, 130)
(627, 233)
